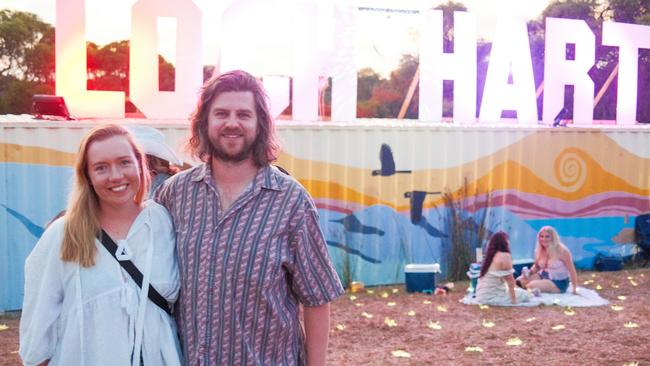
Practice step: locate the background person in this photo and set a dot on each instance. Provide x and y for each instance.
(162, 161)
(553, 268)
(496, 284)
(251, 251)
(80, 306)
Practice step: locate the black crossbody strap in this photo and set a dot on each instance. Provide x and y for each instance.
(135, 273)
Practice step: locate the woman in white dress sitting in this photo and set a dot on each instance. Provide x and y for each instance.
(496, 284)
(81, 307)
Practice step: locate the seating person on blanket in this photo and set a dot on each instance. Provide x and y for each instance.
(496, 284)
(553, 267)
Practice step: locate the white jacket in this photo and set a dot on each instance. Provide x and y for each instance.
(98, 316)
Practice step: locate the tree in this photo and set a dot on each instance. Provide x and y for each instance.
(386, 96)
(26, 47)
(629, 11)
(26, 60)
(367, 79)
(108, 68)
(448, 10)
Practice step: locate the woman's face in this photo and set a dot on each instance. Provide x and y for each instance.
(545, 238)
(114, 171)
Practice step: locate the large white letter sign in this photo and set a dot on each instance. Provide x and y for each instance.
(629, 38)
(71, 66)
(558, 71)
(510, 53)
(344, 68)
(143, 83)
(256, 36)
(305, 63)
(436, 66)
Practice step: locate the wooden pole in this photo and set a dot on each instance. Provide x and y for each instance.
(606, 85)
(540, 89)
(409, 94)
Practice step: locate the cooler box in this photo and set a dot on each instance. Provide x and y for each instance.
(421, 277)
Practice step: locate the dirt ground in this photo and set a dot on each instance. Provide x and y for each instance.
(387, 326)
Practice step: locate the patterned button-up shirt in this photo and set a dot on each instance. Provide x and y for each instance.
(245, 271)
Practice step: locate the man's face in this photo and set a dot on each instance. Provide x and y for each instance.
(232, 126)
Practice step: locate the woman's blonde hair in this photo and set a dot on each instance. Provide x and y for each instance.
(553, 248)
(82, 217)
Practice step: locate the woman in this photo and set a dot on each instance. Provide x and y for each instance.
(496, 284)
(553, 267)
(80, 306)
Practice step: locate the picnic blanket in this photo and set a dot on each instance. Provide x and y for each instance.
(585, 298)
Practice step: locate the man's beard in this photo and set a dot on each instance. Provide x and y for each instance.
(219, 152)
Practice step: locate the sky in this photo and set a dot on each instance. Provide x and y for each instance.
(382, 35)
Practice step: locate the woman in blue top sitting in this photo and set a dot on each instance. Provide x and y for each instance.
(553, 269)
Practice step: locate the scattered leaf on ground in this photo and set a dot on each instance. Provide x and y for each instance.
(400, 353)
(473, 349)
(558, 327)
(487, 323)
(514, 342)
(366, 315)
(434, 325)
(631, 325)
(442, 308)
(390, 322)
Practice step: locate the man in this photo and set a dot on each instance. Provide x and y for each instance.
(249, 246)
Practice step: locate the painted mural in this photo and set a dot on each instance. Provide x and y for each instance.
(379, 189)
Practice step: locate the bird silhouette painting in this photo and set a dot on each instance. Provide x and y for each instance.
(352, 224)
(387, 162)
(33, 228)
(353, 251)
(417, 200)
